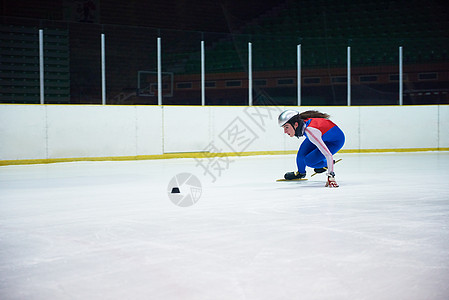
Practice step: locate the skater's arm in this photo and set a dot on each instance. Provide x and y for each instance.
(314, 136)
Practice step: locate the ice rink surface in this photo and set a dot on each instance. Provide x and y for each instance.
(108, 230)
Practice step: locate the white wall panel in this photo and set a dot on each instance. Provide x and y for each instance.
(149, 130)
(399, 127)
(443, 123)
(22, 132)
(264, 120)
(244, 129)
(91, 131)
(233, 131)
(186, 128)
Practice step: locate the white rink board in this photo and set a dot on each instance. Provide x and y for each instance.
(399, 127)
(443, 120)
(77, 131)
(85, 131)
(149, 132)
(186, 128)
(22, 132)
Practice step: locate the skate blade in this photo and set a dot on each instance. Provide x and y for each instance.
(299, 179)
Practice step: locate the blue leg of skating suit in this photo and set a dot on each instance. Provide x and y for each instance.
(309, 155)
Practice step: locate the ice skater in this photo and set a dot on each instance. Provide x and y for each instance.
(323, 139)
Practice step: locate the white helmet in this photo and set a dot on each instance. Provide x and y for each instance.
(285, 116)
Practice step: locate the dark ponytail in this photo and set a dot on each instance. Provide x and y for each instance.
(313, 114)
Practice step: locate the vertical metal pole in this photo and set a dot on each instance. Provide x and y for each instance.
(159, 72)
(400, 77)
(298, 53)
(349, 76)
(250, 75)
(41, 65)
(203, 77)
(103, 71)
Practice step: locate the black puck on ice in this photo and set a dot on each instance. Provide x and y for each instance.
(175, 190)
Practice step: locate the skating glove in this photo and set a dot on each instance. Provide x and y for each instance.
(331, 180)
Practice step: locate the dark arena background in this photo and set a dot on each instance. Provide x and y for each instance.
(376, 35)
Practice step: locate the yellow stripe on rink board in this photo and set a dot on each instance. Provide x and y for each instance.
(197, 155)
(140, 157)
(392, 150)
